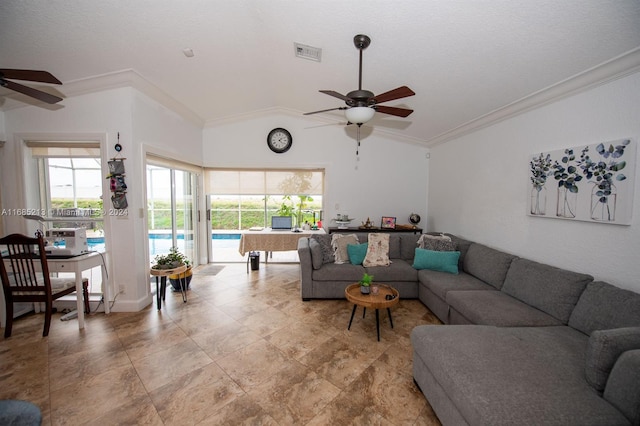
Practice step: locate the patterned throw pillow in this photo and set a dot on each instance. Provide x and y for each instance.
(436, 243)
(377, 251)
(325, 247)
(339, 243)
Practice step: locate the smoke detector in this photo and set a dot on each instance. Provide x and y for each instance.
(307, 52)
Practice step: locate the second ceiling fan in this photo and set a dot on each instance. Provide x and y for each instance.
(362, 104)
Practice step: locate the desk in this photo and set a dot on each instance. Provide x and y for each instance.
(77, 265)
(268, 240)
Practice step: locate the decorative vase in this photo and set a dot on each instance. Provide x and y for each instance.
(567, 202)
(176, 278)
(374, 289)
(365, 289)
(603, 202)
(538, 200)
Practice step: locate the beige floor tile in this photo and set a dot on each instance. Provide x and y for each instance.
(169, 364)
(195, 396)
(253, 364)
(244, 350)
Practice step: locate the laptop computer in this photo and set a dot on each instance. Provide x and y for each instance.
(281, 223)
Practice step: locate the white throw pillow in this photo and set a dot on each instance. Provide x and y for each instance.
(378, 250)
(339, 243)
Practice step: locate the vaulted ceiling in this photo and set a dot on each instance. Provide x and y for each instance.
(467, 60)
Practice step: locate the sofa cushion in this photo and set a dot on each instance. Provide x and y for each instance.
(339, 243)
(604, 348)
(497, 308)
(603, 306)
(552, 290)
(399, 270)
(377, 250)
(408, 244)
(489, 265)
(394, 247)
(513, 375)
(462, 246)
(442, 282)
(623, 386)
(445, 261)
(325, 244)
(357, 252)
(338, 272)
(316, 253)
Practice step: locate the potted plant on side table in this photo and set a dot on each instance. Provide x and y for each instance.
(365, 283)
(172, 260)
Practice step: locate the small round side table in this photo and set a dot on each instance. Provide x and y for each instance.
(374, 301)
(161, 287)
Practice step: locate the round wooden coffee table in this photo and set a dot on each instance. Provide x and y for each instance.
(374, 301)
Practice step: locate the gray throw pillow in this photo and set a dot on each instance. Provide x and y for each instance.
(436, 243)
(603, 350)
(316, 253)
(325, 246)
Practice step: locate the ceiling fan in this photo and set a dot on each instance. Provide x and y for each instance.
(362, 104)
(29, 75)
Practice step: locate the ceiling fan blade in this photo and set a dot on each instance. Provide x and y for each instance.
(335, 95)
(400, 112)
(29, 75)
(400, 92)
(323, 110)
(29, 91)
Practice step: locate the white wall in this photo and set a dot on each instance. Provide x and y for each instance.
(390, 178)
(479, 184)
(139, 121)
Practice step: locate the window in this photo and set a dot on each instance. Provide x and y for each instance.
(241, 199)
(70, 182)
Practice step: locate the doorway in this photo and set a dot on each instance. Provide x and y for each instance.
(171, 211)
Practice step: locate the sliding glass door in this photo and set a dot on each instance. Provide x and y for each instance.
(171, 204)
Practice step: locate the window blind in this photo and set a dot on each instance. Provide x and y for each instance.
(64, 149)
(264, 182)
(169, 163)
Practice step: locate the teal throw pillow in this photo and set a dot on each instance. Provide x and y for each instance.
(357, 253)
(444, 261)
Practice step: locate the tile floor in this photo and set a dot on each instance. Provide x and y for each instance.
(243, 350)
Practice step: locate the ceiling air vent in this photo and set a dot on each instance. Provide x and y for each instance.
(307, 52)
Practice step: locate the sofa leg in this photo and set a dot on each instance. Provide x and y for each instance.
(305, 299)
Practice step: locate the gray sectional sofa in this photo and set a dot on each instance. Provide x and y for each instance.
(525, 343)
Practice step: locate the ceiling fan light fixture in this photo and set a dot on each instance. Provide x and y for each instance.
(359, 115)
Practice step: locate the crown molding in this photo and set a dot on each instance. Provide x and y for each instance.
(116, 80)
(131, 78)
(621, 66)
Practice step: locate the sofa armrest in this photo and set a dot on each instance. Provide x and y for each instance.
(306, 268)
(623, 385)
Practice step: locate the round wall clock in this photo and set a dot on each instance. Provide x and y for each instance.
(279, 140)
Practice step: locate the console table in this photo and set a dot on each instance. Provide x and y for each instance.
(335, 230)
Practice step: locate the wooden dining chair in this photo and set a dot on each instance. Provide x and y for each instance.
(25, 277)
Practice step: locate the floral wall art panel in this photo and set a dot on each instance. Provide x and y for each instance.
(591, 183)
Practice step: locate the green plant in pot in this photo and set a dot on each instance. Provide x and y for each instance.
(365, 283)
(172, 260)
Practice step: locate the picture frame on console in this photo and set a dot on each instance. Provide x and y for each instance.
(388, 222)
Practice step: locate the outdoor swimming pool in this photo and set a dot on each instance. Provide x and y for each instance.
(160, 243)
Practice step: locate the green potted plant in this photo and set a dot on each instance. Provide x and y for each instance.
(172, 260)
(365, 283)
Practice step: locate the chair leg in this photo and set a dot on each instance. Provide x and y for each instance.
(9, 319)
(47, 318)
(85, 296)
